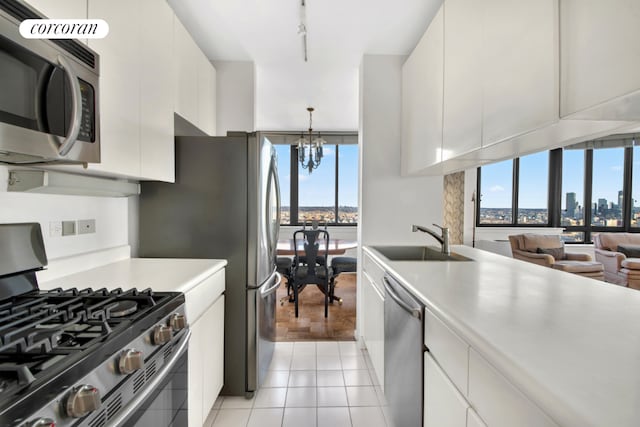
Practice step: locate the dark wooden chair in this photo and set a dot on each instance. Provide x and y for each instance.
(307, 269)
(339, 265)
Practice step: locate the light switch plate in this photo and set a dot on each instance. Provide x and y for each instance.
(86, 226)
(55, 228)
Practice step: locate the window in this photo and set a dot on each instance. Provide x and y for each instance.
(572, 200)
(317, 190)
(607, 194)
(348, 179)
(496, 205)
(586, 188)
(529, 176)
(329, 193)
(533, 189)
(635, 188)
(284, 178)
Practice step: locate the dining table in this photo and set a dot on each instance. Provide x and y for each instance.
(336, 246)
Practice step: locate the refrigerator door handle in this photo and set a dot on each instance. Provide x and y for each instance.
(267, 282)
(266, 291)
(272, 238)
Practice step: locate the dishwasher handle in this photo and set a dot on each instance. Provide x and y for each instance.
(415, 312)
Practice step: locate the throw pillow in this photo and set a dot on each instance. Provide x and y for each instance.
(630, 251)
(556, 253)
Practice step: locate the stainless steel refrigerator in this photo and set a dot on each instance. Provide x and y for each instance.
(225, 204)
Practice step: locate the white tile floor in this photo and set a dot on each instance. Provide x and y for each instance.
(311, 384)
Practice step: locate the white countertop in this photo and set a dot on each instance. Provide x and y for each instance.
(159, 274)
(571, 344)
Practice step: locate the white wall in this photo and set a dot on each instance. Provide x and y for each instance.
(110, 213)
(389, 203)
(235, 92)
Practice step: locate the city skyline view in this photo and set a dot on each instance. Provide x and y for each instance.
(607, 195)
(317, 190)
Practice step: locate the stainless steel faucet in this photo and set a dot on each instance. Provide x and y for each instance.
(444, 239)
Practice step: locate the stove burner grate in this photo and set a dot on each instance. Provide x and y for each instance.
(122, 308)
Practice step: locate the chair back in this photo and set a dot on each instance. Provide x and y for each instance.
(315, 247)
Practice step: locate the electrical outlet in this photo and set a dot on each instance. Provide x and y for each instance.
(55, 228)
(86, 226)
(68, 228)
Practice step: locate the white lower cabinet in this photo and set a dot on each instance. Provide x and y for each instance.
(373, 333)
(205, 313)
(473, 419)
(499, 402)
(444, 406)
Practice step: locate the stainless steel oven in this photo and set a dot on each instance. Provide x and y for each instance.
(86, 357)
(164, 402)
(50, 95)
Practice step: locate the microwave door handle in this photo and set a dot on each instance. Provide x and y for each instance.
(76, 108)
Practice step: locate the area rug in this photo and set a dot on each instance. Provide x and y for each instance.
(311, 323)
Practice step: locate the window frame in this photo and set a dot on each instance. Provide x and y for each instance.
(555, 194)
(294, 204)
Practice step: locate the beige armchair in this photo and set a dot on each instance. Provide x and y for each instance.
(548, 251)
(618, 268)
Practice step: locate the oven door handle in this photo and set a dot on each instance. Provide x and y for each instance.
(76, 108)
(134, 404)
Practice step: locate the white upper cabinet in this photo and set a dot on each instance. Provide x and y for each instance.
(156, 95)
(462, 115)
(520, 70)
(119, 86)
(600, 50)
(195, 82)
(422, 93)
(206, 95)
(186, 55)
(61, 9)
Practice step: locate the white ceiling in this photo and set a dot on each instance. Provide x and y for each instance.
(339, 32)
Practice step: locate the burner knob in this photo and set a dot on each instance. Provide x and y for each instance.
(178, 321)
(82, 400)
(42, 422)
(130, 361)
(162, 334)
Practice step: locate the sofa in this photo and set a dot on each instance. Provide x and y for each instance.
(620, 255)
(548, 251)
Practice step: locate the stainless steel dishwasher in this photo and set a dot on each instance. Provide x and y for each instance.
(403, 354)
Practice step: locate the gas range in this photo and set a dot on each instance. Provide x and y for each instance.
(83, 357)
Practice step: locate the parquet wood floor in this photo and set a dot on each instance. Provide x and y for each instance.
(311, 323)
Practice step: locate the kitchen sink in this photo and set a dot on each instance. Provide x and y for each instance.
(418, 253)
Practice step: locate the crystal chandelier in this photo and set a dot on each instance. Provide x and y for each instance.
(310, 147)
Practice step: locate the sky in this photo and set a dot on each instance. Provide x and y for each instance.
(318, 188)
(608, 170)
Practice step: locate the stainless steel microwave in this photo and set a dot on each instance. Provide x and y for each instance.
(49, 95)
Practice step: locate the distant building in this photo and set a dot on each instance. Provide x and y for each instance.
(602, 206)
(571, 205)
(620, 200)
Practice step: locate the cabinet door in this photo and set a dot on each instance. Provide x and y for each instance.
(462, 114)
(213, 354)
(186, 62)
(499, 402)
(473, 419)
(119, 86)
(196, 362)
(206, 95)
(61, 9)
(600, 48)
(444, 406)
(520, 67)
(373, 333)
(156, 94)
(422, 86)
